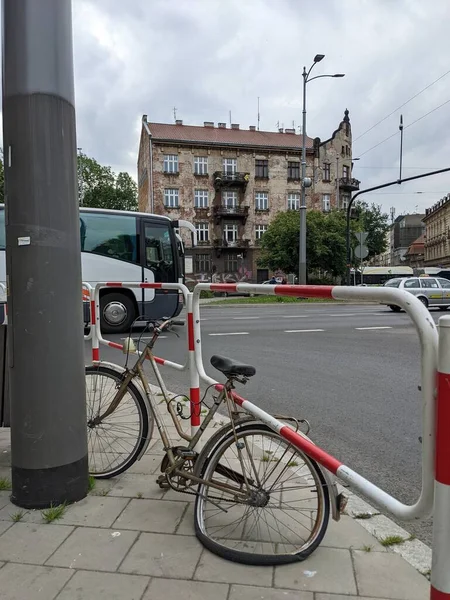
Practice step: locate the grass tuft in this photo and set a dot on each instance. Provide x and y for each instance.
(367, 548)
(392, 540)
(363, 516)
(54, 512)
(17, 516)
(5, 484)
(91, 483)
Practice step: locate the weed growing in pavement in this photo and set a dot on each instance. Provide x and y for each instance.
(54, 512)
(365, 515)
(367, 548)
(5, 484)
(91, 483)
(411, 538)
(17, 516)
(392, 540)
(139, 495)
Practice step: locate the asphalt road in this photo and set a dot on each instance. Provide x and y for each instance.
(351, 370)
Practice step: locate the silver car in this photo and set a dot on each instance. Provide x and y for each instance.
(432, 291)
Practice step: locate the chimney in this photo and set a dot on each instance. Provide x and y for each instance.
(280, 130)
(252, 128)
(234, 125)
(144, 118)
(208, 123)
(178, 122)
(222, 125)
(289, 131)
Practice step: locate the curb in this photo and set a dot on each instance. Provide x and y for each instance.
(413, 551)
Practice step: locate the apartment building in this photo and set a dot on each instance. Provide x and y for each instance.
(404, 231)
(437, 234)
(231, 182)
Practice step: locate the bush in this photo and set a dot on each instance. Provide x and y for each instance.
(206, 294)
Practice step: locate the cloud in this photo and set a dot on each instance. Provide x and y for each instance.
(210, 57)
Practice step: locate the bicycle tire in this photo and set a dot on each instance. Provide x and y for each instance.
(144, 432)
(208, 469)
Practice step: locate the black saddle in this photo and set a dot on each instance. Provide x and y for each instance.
(230, 367)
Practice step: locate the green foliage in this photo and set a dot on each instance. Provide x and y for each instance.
(100, 187)
(376, 223)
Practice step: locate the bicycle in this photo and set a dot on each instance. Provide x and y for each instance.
(259, 499)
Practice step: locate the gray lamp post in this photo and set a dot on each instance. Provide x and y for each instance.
(306, 182)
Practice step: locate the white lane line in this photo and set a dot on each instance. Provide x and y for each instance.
(234, 333)
(303, 330)
(244, 318)
(295, 316)
(367, 328)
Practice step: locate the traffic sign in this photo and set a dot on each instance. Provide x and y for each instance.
(361, 252)
(362, 236)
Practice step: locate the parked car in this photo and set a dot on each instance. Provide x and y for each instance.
(431, 291)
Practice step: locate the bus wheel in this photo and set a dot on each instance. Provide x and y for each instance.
(117, 313)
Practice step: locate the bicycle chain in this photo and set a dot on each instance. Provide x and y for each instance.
(185, 491)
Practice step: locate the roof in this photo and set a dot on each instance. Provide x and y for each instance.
(417, 247)
(226, 136)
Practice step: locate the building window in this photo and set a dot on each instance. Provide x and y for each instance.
(346, 172)
(202, 232)
(293, 201)
(326, 202)
(170, 163)
(231, 263)
(261, 201)
(293, 170)
(230, 165)
(201, 165)
(344, 201)
(326, 172)
(230, 232)
(202, 263)
(260, 230)
(201, 198)
(171, 198)
(262, 169)
(229, 199)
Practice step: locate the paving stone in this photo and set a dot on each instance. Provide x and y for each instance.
(214, 568)
(29, 582)
(94, 549)
(4, 525)
(339, 597)
(159, 555)
(348, 533)
(186, 527)
(131, 485)
(149, 464)
(171, 589)
(28, 516)
(94, 511)
(4, 498)
(326, 570)
(387, 575)
(157, 516)
(250, 592)
(31, 543)
(85, 585)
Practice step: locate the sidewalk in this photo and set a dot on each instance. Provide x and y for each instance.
(130, 540)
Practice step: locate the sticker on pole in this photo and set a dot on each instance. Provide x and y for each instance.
(23, 241)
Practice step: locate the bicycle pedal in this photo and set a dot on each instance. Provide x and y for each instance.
(162, 482)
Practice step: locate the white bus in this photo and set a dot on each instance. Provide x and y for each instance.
(127, 247)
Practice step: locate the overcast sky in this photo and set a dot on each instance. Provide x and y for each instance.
(207, 57)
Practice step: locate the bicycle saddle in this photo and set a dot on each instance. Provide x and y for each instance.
(230, 367)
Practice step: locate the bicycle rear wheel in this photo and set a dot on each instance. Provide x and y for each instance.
(114, 444)
(284, 512)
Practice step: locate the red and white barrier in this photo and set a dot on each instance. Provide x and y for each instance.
(440, 572)
(427, 332)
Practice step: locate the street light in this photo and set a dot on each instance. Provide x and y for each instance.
(306, 182)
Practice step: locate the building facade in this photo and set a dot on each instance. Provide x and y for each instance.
(231, 183)
(404, 231)
(437, 234)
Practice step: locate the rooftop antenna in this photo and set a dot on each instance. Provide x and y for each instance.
(175, 113)
(258, 113)
(392, 211)
(230, 118)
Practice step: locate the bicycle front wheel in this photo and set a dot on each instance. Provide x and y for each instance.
(273, 506)
(115, 443)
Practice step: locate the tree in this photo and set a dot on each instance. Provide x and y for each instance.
(100, 187)
(375, 222)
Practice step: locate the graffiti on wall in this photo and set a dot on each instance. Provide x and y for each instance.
(242, 275)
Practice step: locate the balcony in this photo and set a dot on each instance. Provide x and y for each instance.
(230, 212)
(349, 184)
(221, 244)
(230, 180)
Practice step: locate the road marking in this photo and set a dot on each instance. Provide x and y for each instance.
(302, 330)
(367, 328)
(234, 333)
(295, 316)
(243, 318)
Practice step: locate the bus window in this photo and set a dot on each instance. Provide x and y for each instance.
(159, 252)
(109, 235)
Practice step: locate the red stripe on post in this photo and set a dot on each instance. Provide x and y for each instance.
(151, 286)
(195, 406)
(114, 284)
(93, 318)
(95, 354)
(223, 287)
(190, 320)
(115, 345)
(159, 361)
(305, 291)
(442, 429)
(437, 595)
(327, 461)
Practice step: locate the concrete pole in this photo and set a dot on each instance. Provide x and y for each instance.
(43, 261)
(302, 232)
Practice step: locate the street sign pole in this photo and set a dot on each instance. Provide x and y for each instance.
(43, 259)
